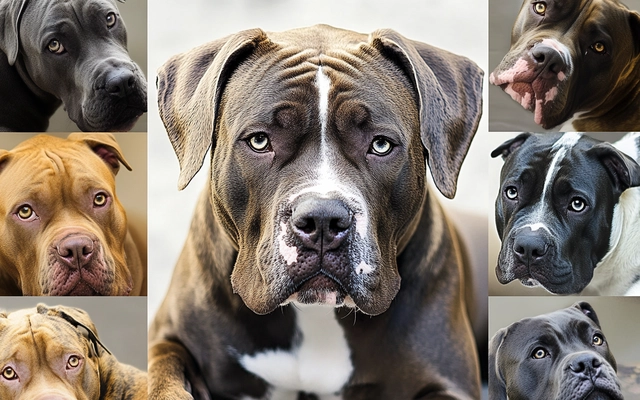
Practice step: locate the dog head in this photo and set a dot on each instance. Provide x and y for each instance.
(319, 140)
(569, 56)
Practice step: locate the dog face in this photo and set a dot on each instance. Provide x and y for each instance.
(554, 211)
(568, 56)
(64, 229)
(319, 143)
(561, 355)
(82, 61)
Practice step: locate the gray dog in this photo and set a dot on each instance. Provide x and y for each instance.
(317, 265)
(72, 53)
(558, 356)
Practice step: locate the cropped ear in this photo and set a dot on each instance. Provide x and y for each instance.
(497, 386)
(10, 16)
(587, 310)
(511, 145)
(190, 87)
(449, 89)
(623, 170)
(105, 146)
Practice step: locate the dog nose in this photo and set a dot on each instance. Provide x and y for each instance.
(548, 60)
(529, 246)
(120, 82)
(321, 224)
(585, 365)
(76, 251)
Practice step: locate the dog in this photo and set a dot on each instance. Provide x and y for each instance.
(575, 65)
(317, 264)
(567, 213)
(556, 356)
(72, 53)
(54, 352)
(64, 230)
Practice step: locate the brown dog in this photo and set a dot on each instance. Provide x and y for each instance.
(64, 232)
(55, 353)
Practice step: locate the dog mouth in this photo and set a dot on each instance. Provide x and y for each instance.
(320, 289)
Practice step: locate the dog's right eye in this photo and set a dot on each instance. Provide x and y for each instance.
(111, 19)
(259, 142)
(539, 353)
(540, 8)
(25, 212)
(9, 374)
(56, 47)
(511, 192)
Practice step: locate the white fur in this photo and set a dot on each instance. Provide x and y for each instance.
(320, 364)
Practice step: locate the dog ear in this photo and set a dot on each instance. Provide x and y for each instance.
(190, 87)
(623, 170)
(449, 89)
(511, 145)
(497, 386)
(10, 16)
(634, 22)
(105, 146)
(4, 156)
(587, 310)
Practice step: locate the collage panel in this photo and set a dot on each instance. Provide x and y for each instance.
(564, 347)
(73, 348)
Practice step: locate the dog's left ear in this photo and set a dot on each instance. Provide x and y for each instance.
(449, 89)
(587, 310)
(634, 22)
(105, 146)
(10, 16)
(623, 170)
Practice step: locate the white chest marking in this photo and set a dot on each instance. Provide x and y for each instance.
(320, 364)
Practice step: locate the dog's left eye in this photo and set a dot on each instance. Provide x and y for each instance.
(511, 192)
(56, 47)
(539, 353)
(100, 200)
(9, 374)
(259, 142)
(577, 205)
(381, 146)
(598, 340)
(73, 362)
(540, 8)
(599, 47)
(111, 19)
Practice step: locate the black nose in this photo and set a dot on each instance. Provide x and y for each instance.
(529, 246)
(585, 365)
(321, 224)
(548, 61)
(120, 82)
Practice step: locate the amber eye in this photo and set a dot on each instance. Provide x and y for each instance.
(100, 200)
(111, 19)
(598, 340)
(55, 47)
(73, 362)
(25, 212)
(598, 47)
(9, 374)
(539, 353)
(540, 8)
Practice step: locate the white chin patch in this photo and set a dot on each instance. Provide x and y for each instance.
(289, 253)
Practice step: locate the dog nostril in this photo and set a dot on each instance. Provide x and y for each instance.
(519, 250)
(306, 225)
(539, 252)
(538, 57)
(339, 224)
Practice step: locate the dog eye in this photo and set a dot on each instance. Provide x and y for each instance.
(511, 192)
(56, 47)
(598, 47)
(100, 200)
(111, 19)
(259, 142)
(25, 212)
(577, 205)
(73, 362)
(381, 146)
(598, 340)
(539, 353)
(540, 8)
(9, 374)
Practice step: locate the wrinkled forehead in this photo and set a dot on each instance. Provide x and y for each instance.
(29, 327)
(49, 17)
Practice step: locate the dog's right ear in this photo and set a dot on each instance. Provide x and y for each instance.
(587, 310)
(508, 147)
(497, 386)
(4, 156)
(190, 87)
(10, 16)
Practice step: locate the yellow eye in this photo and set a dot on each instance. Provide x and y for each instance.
(9, 374)
(73, 362)
(25, 212)
(56, 47)
(100, 200)
(111, 19)
(598, 340)
(539, 353)
(540, 8)
(598, 47)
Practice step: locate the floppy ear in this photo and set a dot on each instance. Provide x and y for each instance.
(449, 89)
(497, 387)
(587, 310)
(190, 87)
(634, 22)
(623, 170)
(105, 146)
(4, 156)
(10, 16)
(511, 145)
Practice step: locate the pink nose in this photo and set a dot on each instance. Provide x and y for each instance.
(76, 250)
